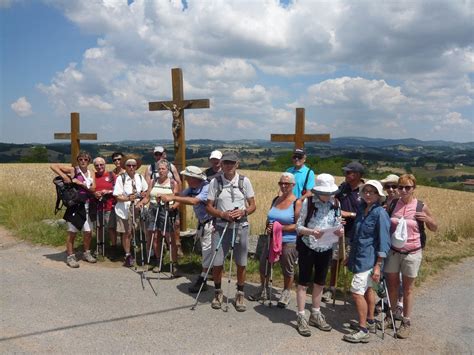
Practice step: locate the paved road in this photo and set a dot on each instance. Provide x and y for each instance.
(47, 307)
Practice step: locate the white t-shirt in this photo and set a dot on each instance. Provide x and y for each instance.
(231, 196)
(122, 208)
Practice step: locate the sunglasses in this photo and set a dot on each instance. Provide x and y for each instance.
(390, 187)
(82, 159)
(406, 188)
(369, 192)
(131, 166)
(97, 165)
(284, 183)
(117, 159)
(297, 157)
(228, 162)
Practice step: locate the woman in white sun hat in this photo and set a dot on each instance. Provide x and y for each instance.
(369, 247)
(319, 211)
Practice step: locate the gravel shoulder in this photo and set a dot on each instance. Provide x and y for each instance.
(47, 307)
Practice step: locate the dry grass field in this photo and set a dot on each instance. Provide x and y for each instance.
(28, 197)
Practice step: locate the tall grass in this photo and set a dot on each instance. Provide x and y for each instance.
(28, 197)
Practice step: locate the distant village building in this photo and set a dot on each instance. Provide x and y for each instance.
(469, 185)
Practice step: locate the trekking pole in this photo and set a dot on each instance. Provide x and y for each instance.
(338, 263)
(211, 264)
(103, 231)
(134, 234)
(153, 235)
(230, 268)
(344, 269)
(389, 308)
(265, 283)
(269, 278)
(97, 228)
(270, 288)
(163, 240)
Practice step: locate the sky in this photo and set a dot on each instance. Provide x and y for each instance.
(379, 69)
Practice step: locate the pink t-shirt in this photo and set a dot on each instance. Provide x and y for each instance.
(408, 212)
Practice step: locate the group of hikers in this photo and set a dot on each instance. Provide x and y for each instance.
(376, 228)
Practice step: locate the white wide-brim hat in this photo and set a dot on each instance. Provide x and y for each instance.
(376, 184)
(324, 184)
(194, 172)
(390, 178)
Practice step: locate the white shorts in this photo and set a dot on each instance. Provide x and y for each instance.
(361, 282)
(85, 228)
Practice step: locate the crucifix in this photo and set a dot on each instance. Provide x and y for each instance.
(75, 136)
(299, 137)
(177, 107)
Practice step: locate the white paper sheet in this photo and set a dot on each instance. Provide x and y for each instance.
(329, 238)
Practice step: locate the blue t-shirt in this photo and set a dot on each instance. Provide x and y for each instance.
(300, 178)
(201, 194)
(284, 217)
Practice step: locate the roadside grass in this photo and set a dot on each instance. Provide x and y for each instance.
(28, 198)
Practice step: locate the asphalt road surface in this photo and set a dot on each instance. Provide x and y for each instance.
(47, 307)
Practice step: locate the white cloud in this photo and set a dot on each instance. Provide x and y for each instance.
(22, 107)
(412, 62)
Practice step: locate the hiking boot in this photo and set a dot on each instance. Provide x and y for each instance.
(71, 261)
(129, 261)
(284, 300)
(175, 272)
(302, 326)
(239, 302)
(398, 314)
(387, 324)
(87, 256)
(180, 252)
(371, 327)
(155, 269)
(317, 319)
(327, 295)
(260, 295)
(197, 285)
(218, 299)
(357, 336)
(404, 330)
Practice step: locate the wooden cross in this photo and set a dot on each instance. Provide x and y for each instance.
(75, 136)
(177, 107)
(300, 137)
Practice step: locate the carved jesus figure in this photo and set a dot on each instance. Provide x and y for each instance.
(176, 125)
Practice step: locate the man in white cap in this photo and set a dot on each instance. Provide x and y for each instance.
(215, 168)
(159, 152)
(196, 195)
(151, 174)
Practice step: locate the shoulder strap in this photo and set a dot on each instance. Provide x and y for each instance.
(392, 207)
(273, 201)
(306, 179)
(241, 184)
(123, 179)
(310, 210)
(419, 208)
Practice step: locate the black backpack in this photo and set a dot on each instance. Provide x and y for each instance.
(67, 194)
(421, 225)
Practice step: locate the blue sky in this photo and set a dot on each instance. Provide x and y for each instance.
(366, 68)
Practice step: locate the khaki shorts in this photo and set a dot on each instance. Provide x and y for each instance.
(288, 259)
(361, 282)
(407, 264)
(124, 225)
